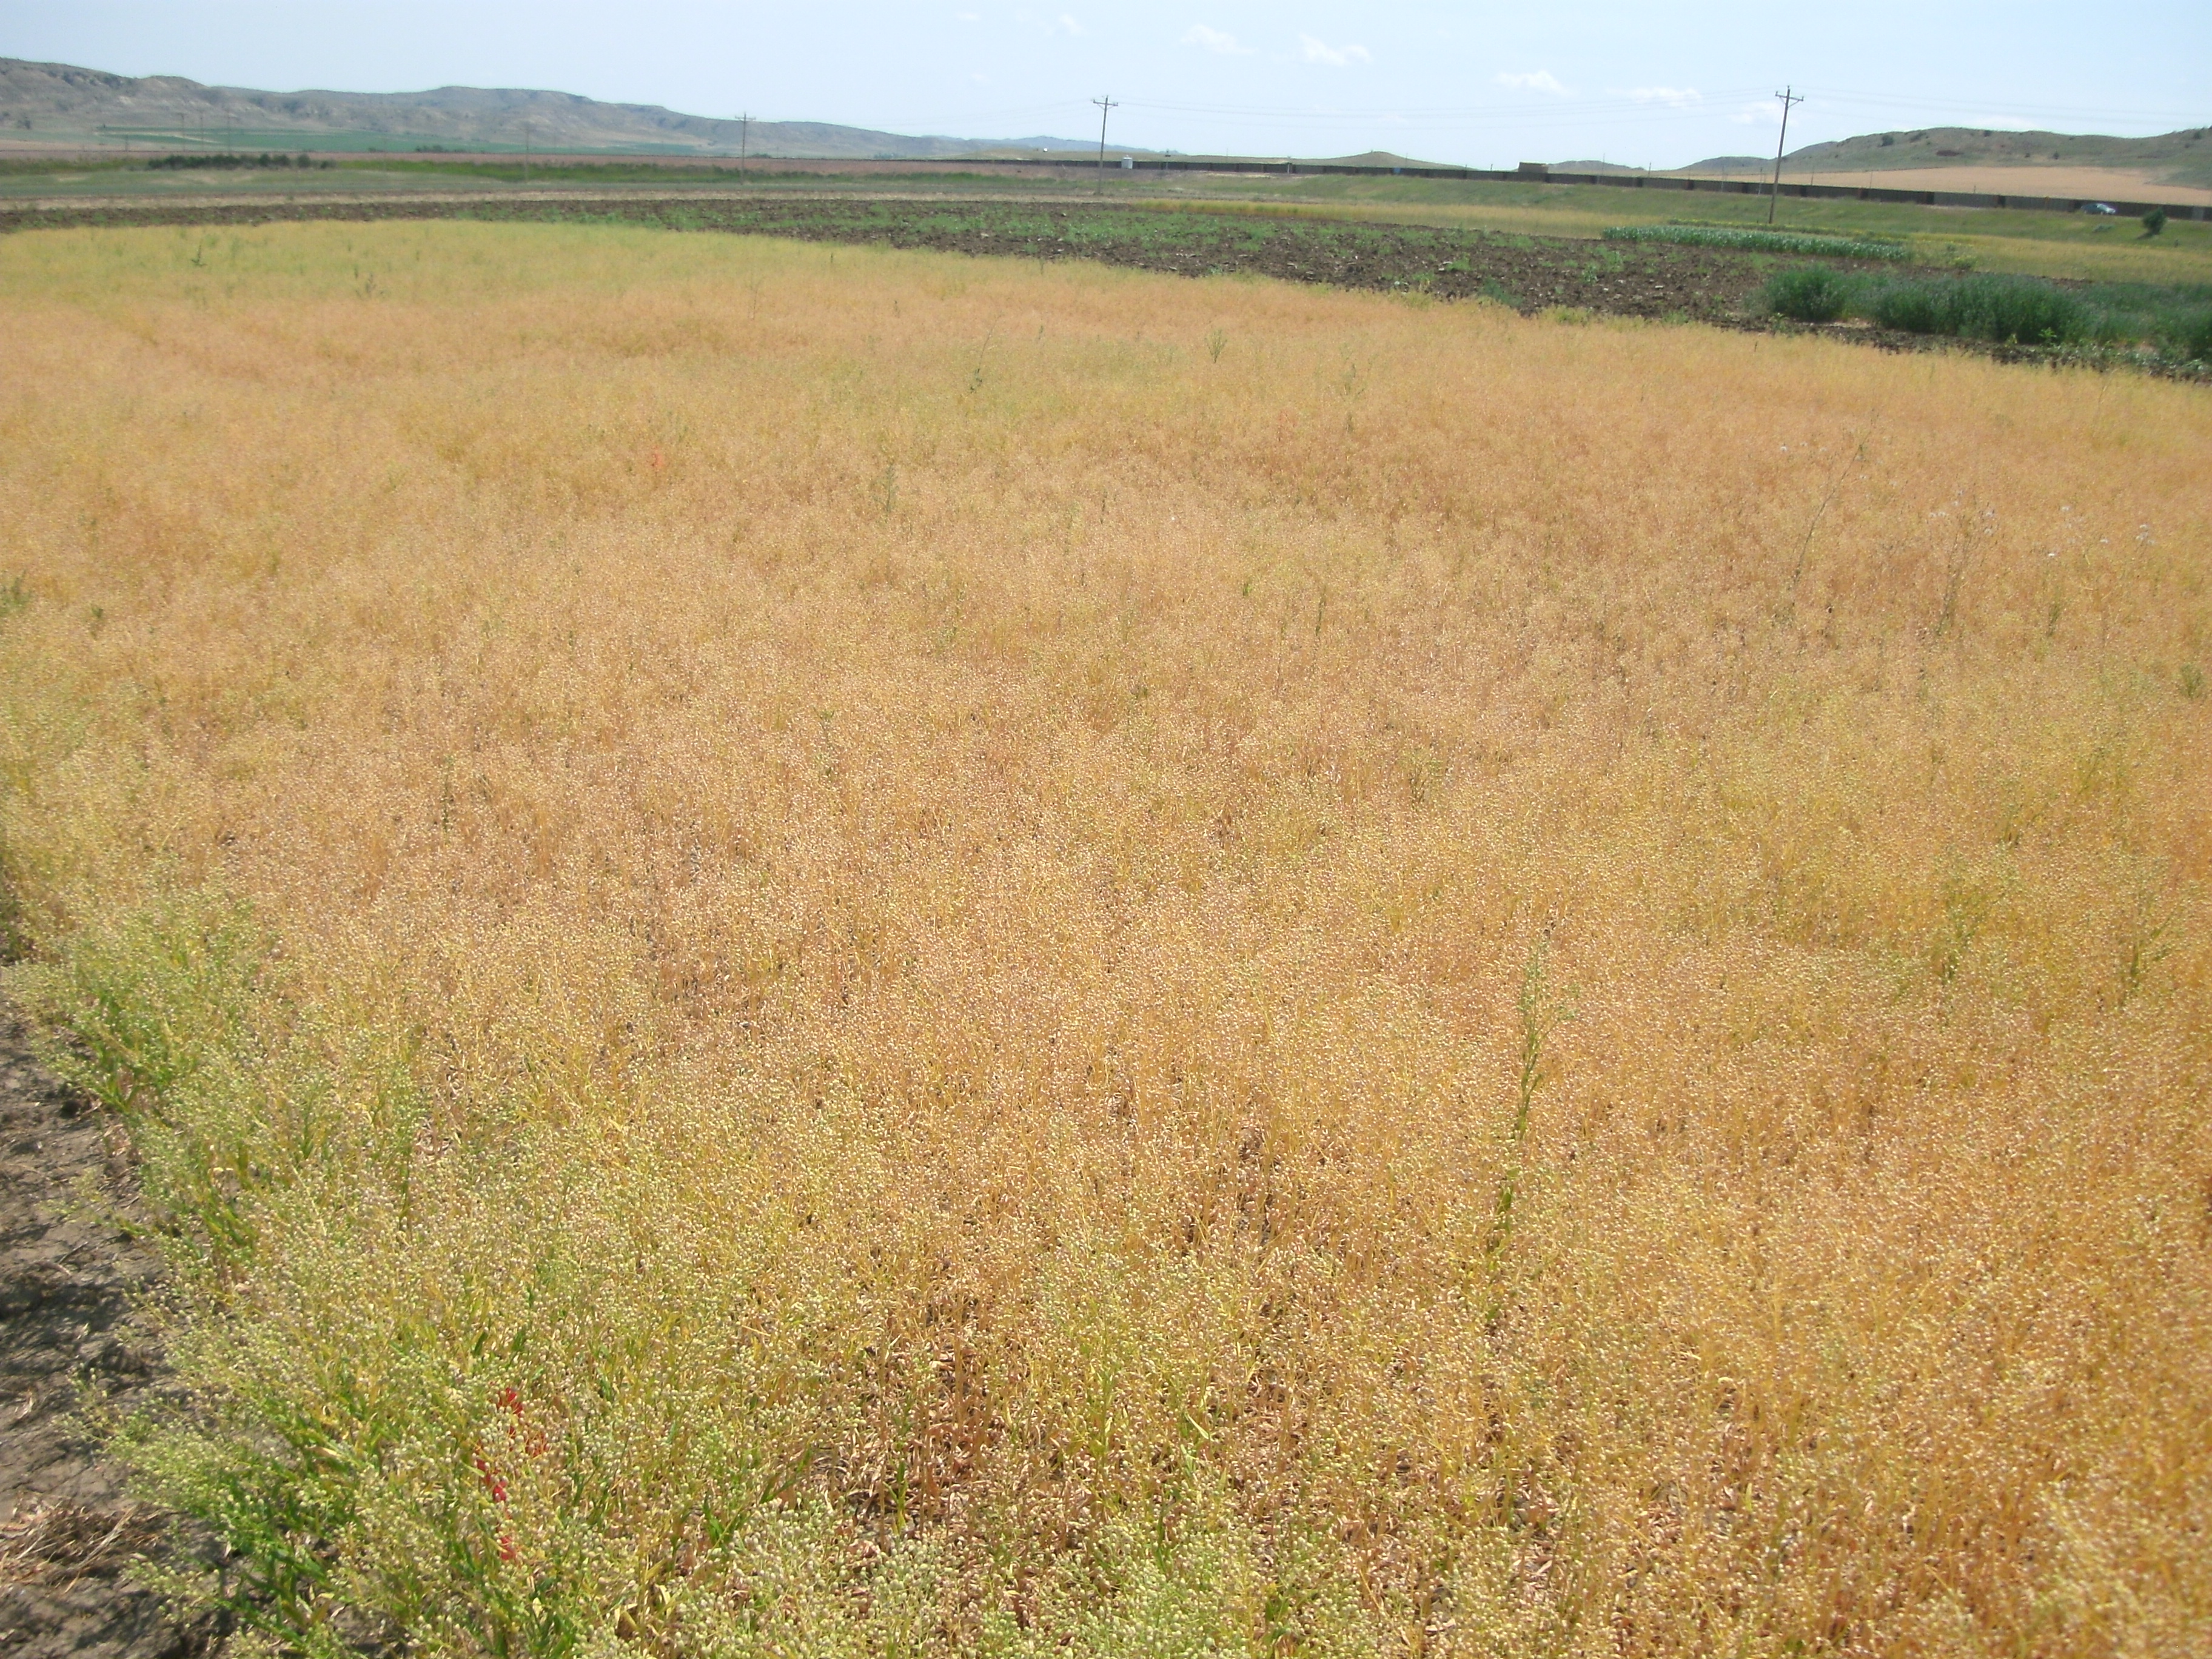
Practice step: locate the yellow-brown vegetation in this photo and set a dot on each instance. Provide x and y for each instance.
(825, 951)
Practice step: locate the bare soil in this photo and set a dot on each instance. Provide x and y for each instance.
(72, 1332)
(1527, 272)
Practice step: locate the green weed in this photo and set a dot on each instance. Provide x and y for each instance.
(2006, 310)
(1806, 294)
(1760, 241)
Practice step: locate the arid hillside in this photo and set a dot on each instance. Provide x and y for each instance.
(55, 103)
(2183, 157)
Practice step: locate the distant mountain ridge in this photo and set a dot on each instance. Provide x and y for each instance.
(61, 103)
(2183, 157)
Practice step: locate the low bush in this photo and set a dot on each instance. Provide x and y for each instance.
(2187, 335)
(2020, 311)
(268, 158)
(2007, 310)
(1807, 293)
(1916, 307)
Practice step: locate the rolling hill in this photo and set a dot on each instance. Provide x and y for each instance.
(59, 104)
(54, 106)
(2177, 158)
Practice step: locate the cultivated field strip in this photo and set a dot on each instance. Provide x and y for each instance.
(1527, 273)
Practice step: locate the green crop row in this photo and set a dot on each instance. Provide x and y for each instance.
(1760, 241)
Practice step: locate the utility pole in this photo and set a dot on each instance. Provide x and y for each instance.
(1105, 105)
(1788, 95)
(526, 150)
(745, 140)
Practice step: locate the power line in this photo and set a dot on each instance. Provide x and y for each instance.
(1708, 104)
(2015, 108)
(1703, 103)
(1106, 106)
(1787, 95)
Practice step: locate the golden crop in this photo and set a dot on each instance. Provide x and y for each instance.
(831, 951)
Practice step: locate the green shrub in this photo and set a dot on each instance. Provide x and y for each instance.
(2018, 311)
(1810, 294)
(251, 159)
(2187, 334)
(2154, 221)
(1915, 308)
(2008, 310)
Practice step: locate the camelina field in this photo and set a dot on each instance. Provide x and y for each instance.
(825, 952)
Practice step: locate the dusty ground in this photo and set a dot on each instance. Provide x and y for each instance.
(69, 1332)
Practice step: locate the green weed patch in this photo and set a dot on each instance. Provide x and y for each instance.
(1760, 241)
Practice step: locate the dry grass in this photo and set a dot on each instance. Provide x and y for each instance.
(2042, 178)
(831, 951)
(59, 1546)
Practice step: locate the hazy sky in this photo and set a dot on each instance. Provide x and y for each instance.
(1471, 83)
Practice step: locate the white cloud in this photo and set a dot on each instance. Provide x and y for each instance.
(1319, 51)
(1216, 40)
(1674, 97)
(968, 16)
(1760, 115)
(1537, 81)
(1070, 24)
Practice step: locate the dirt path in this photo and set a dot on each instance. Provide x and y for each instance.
(67, 1282)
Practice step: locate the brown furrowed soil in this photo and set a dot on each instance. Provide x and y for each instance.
(1527, 272)
(69, 1330)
